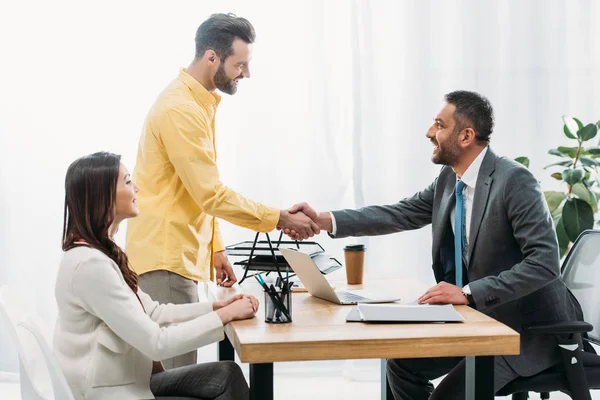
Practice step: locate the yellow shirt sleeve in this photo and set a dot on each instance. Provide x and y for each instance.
(185, 135)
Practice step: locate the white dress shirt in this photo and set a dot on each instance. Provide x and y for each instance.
(470, 180)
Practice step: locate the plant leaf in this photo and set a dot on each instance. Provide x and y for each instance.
(593, 151)
(569, 151)
(572, 176)
(554, 200)
(557, 176)
(585, 194)
(568, 133)
(563, 239)
(579, 123)
(561, 163)
(587, 132)
(524, 161)
(570, 127)
(589, 161)
(556, 152)
(557, 214)
(577, 216)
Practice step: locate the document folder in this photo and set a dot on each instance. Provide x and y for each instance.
(404, 313)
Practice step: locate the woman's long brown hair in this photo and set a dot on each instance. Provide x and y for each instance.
(90, 199)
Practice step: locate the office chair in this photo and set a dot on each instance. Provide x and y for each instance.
(40, 375)
(580, 368)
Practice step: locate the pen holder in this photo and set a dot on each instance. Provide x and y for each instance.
(278, 306)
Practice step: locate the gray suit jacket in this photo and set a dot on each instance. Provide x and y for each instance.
(513, 269)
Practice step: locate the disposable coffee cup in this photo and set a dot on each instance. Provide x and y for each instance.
(355, 261)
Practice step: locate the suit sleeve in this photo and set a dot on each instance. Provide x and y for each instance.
(411, 213)
(533, 230)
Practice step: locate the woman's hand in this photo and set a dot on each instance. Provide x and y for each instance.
(217, 305)
(240, 306)
(223, 303)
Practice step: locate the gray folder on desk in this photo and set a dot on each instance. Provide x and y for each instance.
(404, 313)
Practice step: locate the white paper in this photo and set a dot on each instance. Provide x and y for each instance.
(408, 313)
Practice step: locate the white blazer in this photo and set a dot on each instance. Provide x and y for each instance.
(103, 339)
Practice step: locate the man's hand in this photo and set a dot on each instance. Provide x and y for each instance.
(322, 219)
(443, 293)
(306, 209)
(303, 226)
(223, 270)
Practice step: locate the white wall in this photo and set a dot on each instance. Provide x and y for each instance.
(335, 113)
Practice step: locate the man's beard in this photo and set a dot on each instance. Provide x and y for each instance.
(223, 83)
(449, 154)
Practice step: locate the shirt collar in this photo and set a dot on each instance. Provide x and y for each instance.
(199, 91)
(471, 174)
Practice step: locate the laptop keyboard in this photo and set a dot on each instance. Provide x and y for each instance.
(349, 297)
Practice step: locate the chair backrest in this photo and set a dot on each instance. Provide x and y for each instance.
(581, 274)
(40, 375)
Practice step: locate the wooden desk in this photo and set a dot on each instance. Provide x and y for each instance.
(319, 332)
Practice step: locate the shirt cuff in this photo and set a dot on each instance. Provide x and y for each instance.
(270, 219)
(333, 224)
(466, 289)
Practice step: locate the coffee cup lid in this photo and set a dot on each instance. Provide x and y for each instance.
(355, 247)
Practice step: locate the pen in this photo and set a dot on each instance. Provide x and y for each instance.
(272, 293)
(279, 303)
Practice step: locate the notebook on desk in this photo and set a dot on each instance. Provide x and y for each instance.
(404, 313)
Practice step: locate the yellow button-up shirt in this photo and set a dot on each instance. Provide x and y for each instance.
(180, 191)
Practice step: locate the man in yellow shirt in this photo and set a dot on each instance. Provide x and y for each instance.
(175, 241)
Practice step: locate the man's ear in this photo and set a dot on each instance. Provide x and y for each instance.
(467, 137)
(211, 57)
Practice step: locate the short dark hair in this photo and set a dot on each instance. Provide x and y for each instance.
(475, 110)
(218, 33)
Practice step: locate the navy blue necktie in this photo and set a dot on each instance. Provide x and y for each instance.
(460, 239)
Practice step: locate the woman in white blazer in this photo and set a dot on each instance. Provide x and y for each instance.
(108, 331)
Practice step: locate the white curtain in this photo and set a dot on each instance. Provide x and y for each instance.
(335, 113)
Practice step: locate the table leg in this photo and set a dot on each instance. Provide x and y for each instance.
(386, 392)
(479, 378)
(225, 351)
(261, 381)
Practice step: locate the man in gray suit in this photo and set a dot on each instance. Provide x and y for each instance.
(489, 216)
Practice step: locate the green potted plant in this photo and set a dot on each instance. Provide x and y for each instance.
(574, 208)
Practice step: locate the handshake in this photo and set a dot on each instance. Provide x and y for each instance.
(302, 222)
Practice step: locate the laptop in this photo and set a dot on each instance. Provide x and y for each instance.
(318, 286)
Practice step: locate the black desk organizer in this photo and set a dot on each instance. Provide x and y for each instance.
(264, 255)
